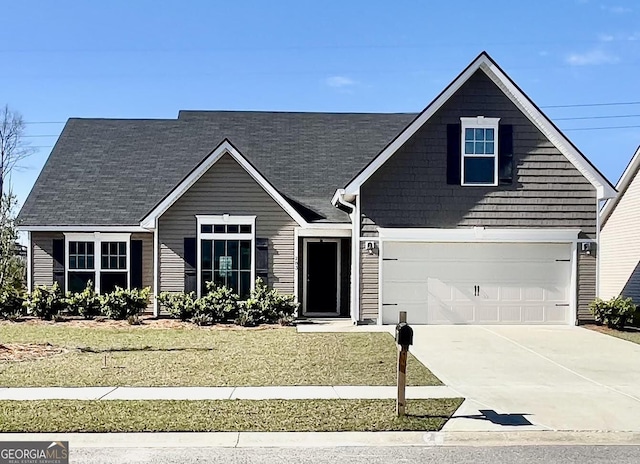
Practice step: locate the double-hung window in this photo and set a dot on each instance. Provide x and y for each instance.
(102, 258)
(479, 151)
(225, 253)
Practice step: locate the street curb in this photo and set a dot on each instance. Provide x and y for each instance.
(329, 439)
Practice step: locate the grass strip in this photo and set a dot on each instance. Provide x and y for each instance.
(223, 415)
(193, 356)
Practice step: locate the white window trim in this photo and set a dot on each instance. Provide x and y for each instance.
(224, 219)
(479, 122)
(97, 238)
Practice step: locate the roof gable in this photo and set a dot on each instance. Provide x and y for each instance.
(225, 148)
(628, 176)
(484, 63)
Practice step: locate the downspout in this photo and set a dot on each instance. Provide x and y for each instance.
(29, 263)
(339, 202)
(156, 263)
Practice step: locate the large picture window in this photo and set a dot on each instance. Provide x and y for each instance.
(479, 151)
(226, 256)
(110, 268)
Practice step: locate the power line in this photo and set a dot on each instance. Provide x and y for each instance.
(582, 105)
(598, 117)
(40, 136)
(46, 122)
(599, 128)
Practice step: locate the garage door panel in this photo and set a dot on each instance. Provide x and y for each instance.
(478, 283)
(416, 313)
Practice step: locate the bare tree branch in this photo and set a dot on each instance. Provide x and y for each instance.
(13, 148)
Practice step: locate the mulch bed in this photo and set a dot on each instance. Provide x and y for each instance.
(28, 351)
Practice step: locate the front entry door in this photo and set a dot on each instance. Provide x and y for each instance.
(322, 265)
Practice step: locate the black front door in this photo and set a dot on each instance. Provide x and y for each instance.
(322, 277)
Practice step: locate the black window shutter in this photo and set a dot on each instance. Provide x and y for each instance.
(136, 264)
(454, 153)
(58, 262)
(262, 259)
(190, 261)
(505, 154)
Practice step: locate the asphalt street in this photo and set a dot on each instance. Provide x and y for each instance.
(364, 455)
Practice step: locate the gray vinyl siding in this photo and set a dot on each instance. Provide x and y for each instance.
(369, 269)
(42, 257)
(586, 286)
(147, 264)
(226, 188)
(620, 247)
(411, 190)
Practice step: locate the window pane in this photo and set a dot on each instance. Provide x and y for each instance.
(122, 248)
(105, 248)
(89, 248)
(489, 134)
(113, 248)
(245, 255)
(81, 264)
(90, 262)
(219, 250)
(206, 228)
(122, 262)
(105, 262)
(232, 229)
(205, 250)
(468, 134)
(479, 134)
(109, 281)
(232, 281)
(245, 229)
(468, 148)
(207, 276)
(73, 248)
(113, 262)
(245, 285)
(233, 250)
(72, 262)
(489, 148)
(219, 229)
(479, 148)
(78, 280)
(81, 247)
(479, 170)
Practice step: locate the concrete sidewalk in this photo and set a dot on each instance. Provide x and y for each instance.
(222, 393)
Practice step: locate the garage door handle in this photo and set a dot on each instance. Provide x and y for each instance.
(389, 304)
(562, 304)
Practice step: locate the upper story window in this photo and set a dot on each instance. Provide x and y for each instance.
(479, 164)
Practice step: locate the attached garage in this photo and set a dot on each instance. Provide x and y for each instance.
(477, 282)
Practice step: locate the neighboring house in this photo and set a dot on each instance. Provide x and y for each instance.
(619, 244)
(472, 211)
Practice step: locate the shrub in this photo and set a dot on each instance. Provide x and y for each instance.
(122, 303)
(220, 303)
(615, 313)
(45, 302)
(180, 305)
(11, 304)
(266, 307)
(85, 303)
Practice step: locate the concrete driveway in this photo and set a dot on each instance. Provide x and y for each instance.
(534, 377)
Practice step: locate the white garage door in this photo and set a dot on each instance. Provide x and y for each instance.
(476, 283)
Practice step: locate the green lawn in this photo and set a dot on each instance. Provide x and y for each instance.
(228, 415)
(632, 335)
(192, 356)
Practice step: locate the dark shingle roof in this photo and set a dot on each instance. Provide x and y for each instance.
(113, 172)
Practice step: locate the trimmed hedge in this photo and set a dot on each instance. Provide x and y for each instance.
(615, 313)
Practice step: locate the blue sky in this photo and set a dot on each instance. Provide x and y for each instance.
(149, 59)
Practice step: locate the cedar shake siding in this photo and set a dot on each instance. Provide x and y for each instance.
(411, 189)
(42, 257)
(368, 285)
(226, 188)
(586, 285)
